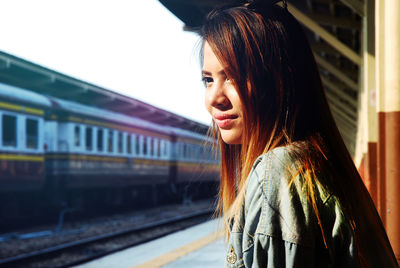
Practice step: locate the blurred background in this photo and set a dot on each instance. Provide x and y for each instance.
(136, 49)
(103, 126)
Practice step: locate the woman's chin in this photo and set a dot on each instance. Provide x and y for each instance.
(231, 138)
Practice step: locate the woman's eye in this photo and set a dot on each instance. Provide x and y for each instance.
(207, 80)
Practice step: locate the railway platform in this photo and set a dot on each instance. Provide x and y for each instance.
(198, 246)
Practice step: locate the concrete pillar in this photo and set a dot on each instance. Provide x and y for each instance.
(368, 116)
(388, 108)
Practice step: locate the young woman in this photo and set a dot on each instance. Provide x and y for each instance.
(289, 192)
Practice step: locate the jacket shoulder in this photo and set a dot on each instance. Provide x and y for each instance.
(285, 210)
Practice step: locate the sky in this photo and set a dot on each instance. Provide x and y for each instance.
(136, 48)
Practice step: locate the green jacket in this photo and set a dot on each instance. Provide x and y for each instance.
(277, 226)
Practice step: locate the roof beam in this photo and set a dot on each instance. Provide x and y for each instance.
(342, 123)
(336, 72)
(326, 2)
(344, 116)
(340, 105)
(336, 89)
(323, 47)
(324, 34)
(344, 127)
(355, 5)
(337, 22)
(344, 130)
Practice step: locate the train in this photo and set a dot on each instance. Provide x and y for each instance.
(57, 153)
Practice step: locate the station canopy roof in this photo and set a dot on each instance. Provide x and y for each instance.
(333, 28)
(21, 73)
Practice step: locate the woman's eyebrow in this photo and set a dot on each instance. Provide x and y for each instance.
(204, 72)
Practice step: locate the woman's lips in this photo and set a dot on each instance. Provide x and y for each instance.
(224, 120)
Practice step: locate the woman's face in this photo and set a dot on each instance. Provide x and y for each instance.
(222, 99)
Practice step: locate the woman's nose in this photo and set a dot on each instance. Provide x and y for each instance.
(217, 98)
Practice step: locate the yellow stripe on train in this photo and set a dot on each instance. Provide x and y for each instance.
(140, 161)
(39, 158)
(19, 157)
(87, 158)
(14, 107)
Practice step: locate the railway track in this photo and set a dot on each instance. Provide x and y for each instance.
(77, 252)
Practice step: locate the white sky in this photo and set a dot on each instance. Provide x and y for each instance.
(136, 48)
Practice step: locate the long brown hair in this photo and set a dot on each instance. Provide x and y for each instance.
(266, 55)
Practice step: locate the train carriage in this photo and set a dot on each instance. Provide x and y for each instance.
(196, 165)
(95, 147)
(57, 153)
(21, 139)
(196, 161)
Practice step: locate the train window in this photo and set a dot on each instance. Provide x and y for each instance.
(162, 148)
(137, 145)
(158, 148)
(31, 128)
(182, 150)
(77, 136)
(120, 142)
(99, 139)
(151, 144)
(129, 143)
(145, 145)
(110, 141)
(9, 127)
(202, 153)
(89, 138)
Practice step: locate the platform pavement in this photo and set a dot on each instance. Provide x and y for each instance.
(198, 246)
(209, 256)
